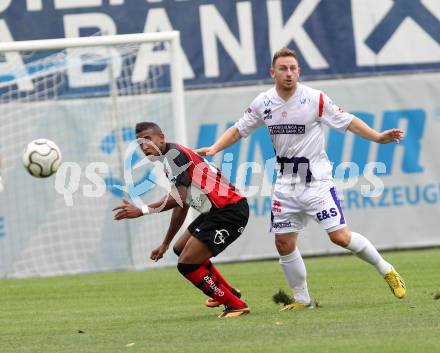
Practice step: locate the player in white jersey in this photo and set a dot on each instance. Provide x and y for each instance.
(294, 115)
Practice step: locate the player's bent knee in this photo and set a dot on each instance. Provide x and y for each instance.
(284, 245)
(340, 242)
(340, 237)
(186, 269)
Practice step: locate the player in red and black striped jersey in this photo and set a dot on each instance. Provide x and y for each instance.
(224, 214)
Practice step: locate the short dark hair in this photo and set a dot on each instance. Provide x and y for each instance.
(283, 52)
(146, 125)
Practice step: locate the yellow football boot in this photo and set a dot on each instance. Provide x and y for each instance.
(297, 306)
(396, 283)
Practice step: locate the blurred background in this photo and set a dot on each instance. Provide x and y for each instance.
(379, 59)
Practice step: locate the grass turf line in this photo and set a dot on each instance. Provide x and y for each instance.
(159, 311)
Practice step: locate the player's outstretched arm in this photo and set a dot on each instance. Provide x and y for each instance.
(358, 127)
(175, 198)
(229, 137)
(177, 219)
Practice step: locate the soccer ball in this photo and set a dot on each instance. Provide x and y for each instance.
(41, 158)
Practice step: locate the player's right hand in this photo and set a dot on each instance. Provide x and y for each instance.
(206, 151)
(127, 210)
(157, 253)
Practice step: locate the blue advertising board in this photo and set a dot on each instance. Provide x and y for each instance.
(231, 42)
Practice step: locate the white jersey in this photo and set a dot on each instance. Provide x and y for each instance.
(296, 128)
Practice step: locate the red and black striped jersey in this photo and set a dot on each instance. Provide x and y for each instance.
(208, 186)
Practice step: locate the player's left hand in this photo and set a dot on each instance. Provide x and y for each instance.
(157, 253)
(127, 210)
(392, 135)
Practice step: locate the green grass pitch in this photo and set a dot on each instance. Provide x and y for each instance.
(158, 311)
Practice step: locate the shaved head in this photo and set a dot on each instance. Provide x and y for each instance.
(148, 125)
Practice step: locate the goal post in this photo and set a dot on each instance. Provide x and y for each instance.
(86, 94)
(112, 40)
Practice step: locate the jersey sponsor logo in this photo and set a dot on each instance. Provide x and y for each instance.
(267, 102)
(291, 129)
(332, 212)
(220, 236)
(305, 100)
(267, 114)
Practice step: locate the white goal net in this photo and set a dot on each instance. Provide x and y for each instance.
(86, 95)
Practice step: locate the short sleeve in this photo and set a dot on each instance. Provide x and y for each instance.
(332, 115)
(250, 120)
(179, 166)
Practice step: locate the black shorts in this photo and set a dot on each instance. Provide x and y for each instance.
(221, 226)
